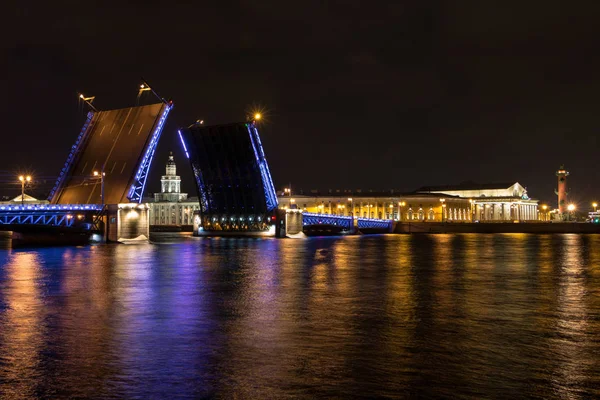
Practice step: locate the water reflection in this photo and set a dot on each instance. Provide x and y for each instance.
(473, 316)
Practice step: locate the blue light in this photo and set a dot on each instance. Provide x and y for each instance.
(136, 191)
(183, 143)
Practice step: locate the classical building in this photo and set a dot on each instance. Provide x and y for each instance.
(492, 201)
(467, 202)
(170, 184)
(170, 206)
(396, 206)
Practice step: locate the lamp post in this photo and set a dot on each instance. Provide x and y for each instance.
(571, 208)
(545, 214)
(23, 179)
(471, 209)
(443, 201)
(101, 175)
(400, 205)
(595, 205)
(351, 200)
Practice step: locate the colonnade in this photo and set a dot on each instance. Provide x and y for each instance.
(506, 212)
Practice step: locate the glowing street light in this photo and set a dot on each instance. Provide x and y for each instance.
(100, 175)
(400, 205)
(571, 207)
(23, 179)
(257, 116)
(595, 205)
(443, 201)
(545, 213)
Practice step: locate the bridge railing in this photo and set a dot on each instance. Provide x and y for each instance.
(371, 223)
(327, 219)
(57, 215)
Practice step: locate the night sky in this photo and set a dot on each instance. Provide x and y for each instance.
(358, 94)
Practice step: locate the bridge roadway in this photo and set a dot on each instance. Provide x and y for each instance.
(120, 142)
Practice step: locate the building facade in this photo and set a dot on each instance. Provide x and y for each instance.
(170, 206)
(493, 202)
(461, 203)
(400, 207)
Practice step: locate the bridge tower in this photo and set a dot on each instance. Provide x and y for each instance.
(561, 191)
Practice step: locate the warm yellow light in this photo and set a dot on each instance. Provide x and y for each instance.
(132, 215)
(28, 178)
(96, 173)
(142, 86)
(292, 200)
(571, 207)
(594, 204)
(544, 207)
(257, 116)
(81, 96)
(442, 200)
(349, 198)
(21, 178)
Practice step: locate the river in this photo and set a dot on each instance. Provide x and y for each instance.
(387, 316)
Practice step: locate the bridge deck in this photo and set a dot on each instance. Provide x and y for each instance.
(117, 140)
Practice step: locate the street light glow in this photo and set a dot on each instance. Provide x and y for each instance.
(257, 116)
(571, 207)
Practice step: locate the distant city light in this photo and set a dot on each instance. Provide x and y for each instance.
(571, 207)
(257, 116)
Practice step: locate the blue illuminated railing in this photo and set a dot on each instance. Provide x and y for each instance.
(327, 219)
(56, 215)
(269, 188)
(74, 149)
(370, 223)
(136, 192)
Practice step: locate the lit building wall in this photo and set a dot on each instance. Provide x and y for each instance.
(400, 208)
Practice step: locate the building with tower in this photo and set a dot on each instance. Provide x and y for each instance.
(170, 206)
(170, 184)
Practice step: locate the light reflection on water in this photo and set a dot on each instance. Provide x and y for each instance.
(465, 316)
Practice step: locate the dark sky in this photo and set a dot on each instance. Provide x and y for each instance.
(359, 94)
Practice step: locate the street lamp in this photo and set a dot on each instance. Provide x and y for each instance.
(471, 209)
(351, 200)
(571, 208)
(595, 205)
(101, 175)
(23, 179)
(443, 201)
(545, 207)
(400, 205)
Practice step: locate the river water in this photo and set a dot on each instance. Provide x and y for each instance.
(391, 316)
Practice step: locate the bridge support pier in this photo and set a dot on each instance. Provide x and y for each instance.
(127, 222)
